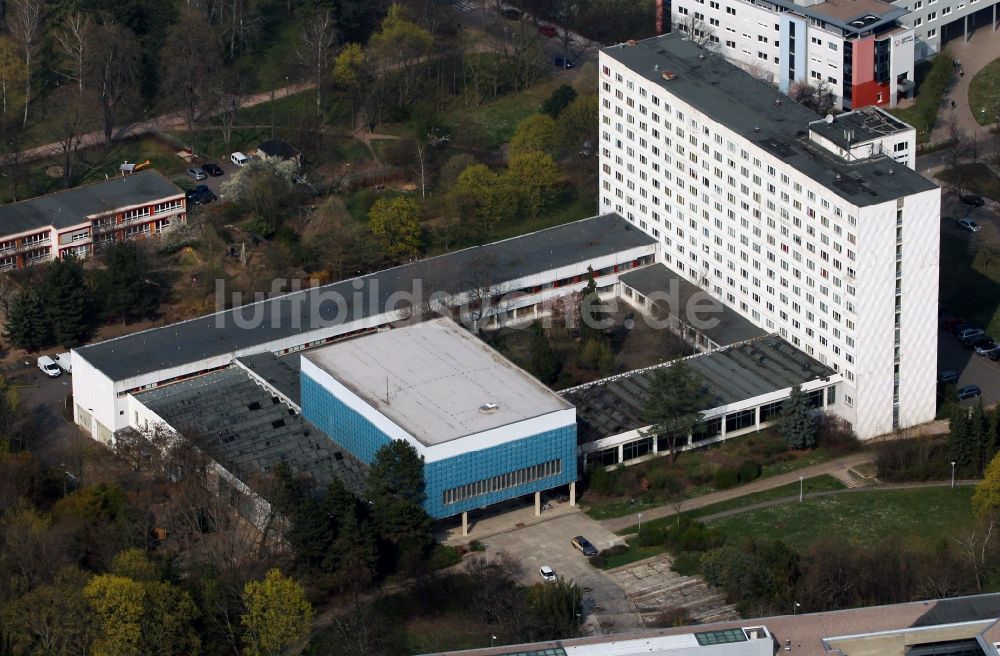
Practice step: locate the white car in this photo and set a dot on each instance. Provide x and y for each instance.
(239, 159)
(548, 574)
(49, 366)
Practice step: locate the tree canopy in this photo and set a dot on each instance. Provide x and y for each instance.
(277, 617)
(673, 407)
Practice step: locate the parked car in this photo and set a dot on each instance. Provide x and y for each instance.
(977, 341)
(960, 327)
(49, 366)
(212, 169)
(65, 361)
(995, 355)
(548, 574)
(563, 63)
(547, 31)
(969, 392)
(583, 544)
(970, 332)
(947, 377)
(986, 349)
(972, 199)
(239, 159)
(197, 173)
(969, 226)
(200, 195)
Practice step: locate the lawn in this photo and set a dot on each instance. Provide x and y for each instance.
(919, 515)
(976, 178)
(984, 93)
(970, 278)
(492, 124)
(932, 82)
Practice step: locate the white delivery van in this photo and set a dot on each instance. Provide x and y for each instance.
(239, 159)
(49, 366)
(65, 362)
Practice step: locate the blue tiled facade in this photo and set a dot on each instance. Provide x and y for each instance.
(343, 425)
(362, 439)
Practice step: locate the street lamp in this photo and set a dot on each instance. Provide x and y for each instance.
(639, 515)
(493, 640)
(801, 479)
(953, 473)
(795, 607)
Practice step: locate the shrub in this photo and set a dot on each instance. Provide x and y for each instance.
(691, 535)
(600, 480)
(663, 480)
(749, 471)
(725, 478)
(672, 617)
(443, 556)
(687, 563)
(476, 545)
(836, 435)
(915, 459)
(654, 536)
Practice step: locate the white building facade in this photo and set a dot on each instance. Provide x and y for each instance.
(840, 258)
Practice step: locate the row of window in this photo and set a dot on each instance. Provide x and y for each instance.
(503, 481)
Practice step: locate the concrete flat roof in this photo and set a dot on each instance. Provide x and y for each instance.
(764, 116)
(282, 373)
(865, 124)
(735, 374)
(69, 207)
(217, 334)
(805, 632)
(727, 326)
(246, 429)
(439, 379)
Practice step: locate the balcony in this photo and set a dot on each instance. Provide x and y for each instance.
(30, 246)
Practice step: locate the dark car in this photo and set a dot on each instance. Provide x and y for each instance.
(952, 323)
(972, 199)
(200, 195)
(977, 341)
(947, 377)
(584, 545)
(547, 31)
(563, 63)
(212, 169)
(995, 355)
(968, 392)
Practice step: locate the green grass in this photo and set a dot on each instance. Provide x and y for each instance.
(634, 554)
(970, 277)
(932, 84)
(824, 483)
(984, 93)
(976, 178)
(491, 124)
(918, 515)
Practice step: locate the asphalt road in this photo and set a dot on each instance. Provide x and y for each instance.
(54, 439)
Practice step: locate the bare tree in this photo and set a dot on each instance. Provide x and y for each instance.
(73, 40)
(112, 70)
(190, 63)
(696, 29)
(24, 19)
(976, 545)
(68, 128)
(319, 34)
(817, 97)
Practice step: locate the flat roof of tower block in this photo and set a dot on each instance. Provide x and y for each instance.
(615, 405)
(861, 125)
(282, 317)
(70, 207)
(764, 116)
(442, 382)
(695, 306)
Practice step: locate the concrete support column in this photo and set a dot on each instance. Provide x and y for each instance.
(965, 22)
(465, 523)
(756, 417)
(690, 439)
(538, 504)
(621, 453)
(656, 442)
(572, 493)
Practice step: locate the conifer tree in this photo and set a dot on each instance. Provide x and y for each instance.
(797, 424)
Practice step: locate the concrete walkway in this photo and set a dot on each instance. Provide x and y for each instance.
(974, 55)
(760, 485)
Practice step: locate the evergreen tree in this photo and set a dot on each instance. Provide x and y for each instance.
(128, 289)
(592, 313)
(560, 99)
(673, 406)
(797, 424)
(544, 361)
(353, 553)
(978, 438)
(395, 490)
(959, 438)
(67, 301)
(27, 324)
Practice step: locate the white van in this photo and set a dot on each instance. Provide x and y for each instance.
(65, 362)
(49, 366)
(239, 159)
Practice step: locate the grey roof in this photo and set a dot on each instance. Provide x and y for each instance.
(865, 124)
(278, 148)
(734, 374)
(961, 609)
(282, 374)
(248, 430)
(764, 116)
(70, 207)
(196, 339)
(854, 16)
(656, 281)
(442, 382)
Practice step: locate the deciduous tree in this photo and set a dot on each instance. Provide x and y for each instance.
(117, 604)
(24, 19)
(11, 74)
(190, 65)
(396, 224)
(537, 178)
(277, 615)
(537, 133)
(986, 498)
(112, 70)
(319, 34)
(673, 407)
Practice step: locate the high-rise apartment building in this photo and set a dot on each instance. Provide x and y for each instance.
(818, 231)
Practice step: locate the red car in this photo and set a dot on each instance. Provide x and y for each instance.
(547, 31)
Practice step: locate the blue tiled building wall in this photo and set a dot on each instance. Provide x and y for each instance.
(478, 465)
(345, 426)
(362, 439)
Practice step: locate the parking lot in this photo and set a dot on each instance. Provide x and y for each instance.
(972, 369)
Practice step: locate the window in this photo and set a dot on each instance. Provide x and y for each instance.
(931, 33)
(503, 481)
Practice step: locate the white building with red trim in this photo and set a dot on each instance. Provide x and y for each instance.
(72, 221)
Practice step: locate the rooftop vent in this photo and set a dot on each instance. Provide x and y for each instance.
(701, 56)
(892, 171)
(756, 128)
(488, 408)
(777, 102)
(656, 67)
(668, 75)
(630, 43)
